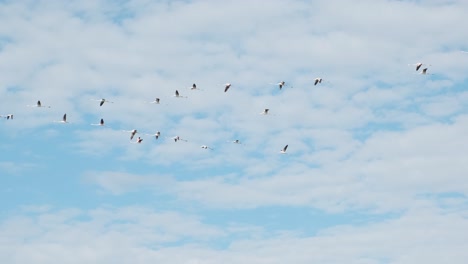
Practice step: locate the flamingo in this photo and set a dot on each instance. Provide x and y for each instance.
(317, 80)
(418, 65)
(101, 123)
(177, 95)
(38, 104)
(156, 101)
(226, 87)
(132, 132)
(283, 151)
(424, 72)
(236, 141)
(194, 87)
(265, 111)
(10, 116)
(177, 138)
(205, 147)
(156, 135)
(139, 140)
(280, 84)
(64, 119)
(102, 101)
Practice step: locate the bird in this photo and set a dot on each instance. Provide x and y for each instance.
(102, 101)
(38, 104)
(265, 111)
(418, 65)
(205, 147)
(156, 135)
(283, 151)
(236, 141)
(226, 87)
(101, 123)
(177, 95)
(132, 132)
(317, 80)
(177, 138)
(424, 72)
(64, 119)
(194, 87)
(156, 101)
(9, 116)
(139, 140)
(280, 84)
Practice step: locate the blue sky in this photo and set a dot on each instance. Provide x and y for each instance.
(376, 166)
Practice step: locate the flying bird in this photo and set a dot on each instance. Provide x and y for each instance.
(194, 87)
(236, 141)
(177, 138)
(64, 119)
(283, 151)
(139, 140)
(280, 84)
(205, 147)
(156, 135)
(424, 72)
(265, 111)
(317, 80)
(132, 132)
(177, 95)
(102, 101)
(226, 87)
(156, 101)
(418, 65)
(38, 104)
(101, 123)
(10, 116)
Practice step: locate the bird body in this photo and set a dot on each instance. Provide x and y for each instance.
(101, 123)
(283, 151)
(226, 87)
(205, 147)
(156, 101)
(317, 81)
(177, 95)
(156, 135)
(39, 104)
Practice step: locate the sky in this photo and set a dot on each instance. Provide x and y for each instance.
(375, 170)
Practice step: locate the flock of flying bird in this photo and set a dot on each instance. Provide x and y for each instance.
(157, 135)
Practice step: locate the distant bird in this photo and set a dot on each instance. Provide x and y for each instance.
(317, 80)
(64, 119)
(139, 140)
(156, 101)
(194, 87)
(424, 72)
(177, 95)
(132, 132)
(236, 141)
(226, 87)
(418, 65)
(280, 84)
(38, 104)
(101, 123)
(102, 101)
(10, 116)
(156, 135)
(283, 151)
(265, 111)
(177, 138)
(205, 147)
